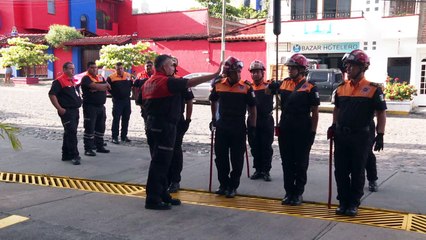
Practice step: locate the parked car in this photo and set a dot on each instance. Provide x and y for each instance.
(202, 91)
(326, 81)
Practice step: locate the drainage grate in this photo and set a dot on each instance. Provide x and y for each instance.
(72, 183)
(366, 216)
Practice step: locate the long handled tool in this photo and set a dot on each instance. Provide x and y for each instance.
(330, 164)
(248, 164)
(277, 32)
(211, 159)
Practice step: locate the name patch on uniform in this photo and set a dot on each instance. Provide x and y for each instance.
(382, 98)
(317, 94)
(252, 94)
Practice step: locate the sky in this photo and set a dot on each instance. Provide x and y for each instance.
(164, 5)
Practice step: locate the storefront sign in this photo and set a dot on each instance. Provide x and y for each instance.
(341, 47)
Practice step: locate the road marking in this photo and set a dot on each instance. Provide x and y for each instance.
(11, 220)
(367, 216)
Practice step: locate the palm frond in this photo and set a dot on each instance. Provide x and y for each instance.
(10, 131)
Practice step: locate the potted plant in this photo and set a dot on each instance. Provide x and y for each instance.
(23, 53)
(399, 95)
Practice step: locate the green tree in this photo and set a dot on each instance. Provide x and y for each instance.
(129, 54)
(10, 131)
(215, 10)
(58, 34)
(23, 53)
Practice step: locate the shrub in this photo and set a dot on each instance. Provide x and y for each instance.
(398, 91)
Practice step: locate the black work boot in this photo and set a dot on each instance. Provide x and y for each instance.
(174, 187)
(352, 211)
(89, 153)
(173, 201)
(256, 175)
(221, 191)
(372, 186)
(115, 140)
(102, 150)
(158, 206)
(286, 200)
(341, 209)
(296, 200)
(231, 193)
(266, 177)
(76, 160)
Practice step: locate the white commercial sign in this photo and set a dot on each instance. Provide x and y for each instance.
(339, 47)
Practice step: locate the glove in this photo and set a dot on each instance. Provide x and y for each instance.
(212, 124)
(330, 131)
(185, 125)
(274, 86)
(251, 134)
(312, 138)
(378, 142)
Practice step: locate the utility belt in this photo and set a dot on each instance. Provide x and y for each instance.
(352, 130)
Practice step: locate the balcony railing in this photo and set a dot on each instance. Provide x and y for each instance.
(393, 8)
(327, 15)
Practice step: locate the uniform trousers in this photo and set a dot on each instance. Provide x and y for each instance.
(295, 146)
(261, 146)
(121, 109)
(70, 123)
(177, 159)
(161, 135)
(230, 141)
(94, 126)
(350, 157)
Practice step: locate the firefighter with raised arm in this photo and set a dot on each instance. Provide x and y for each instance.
(356, 101)
(297, 126)
(235, 97)
(162, 100)
(261, 144)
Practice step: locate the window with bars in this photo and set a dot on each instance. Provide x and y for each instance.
(304, 9)
(337, 9)
(422, 88)
(402, 7)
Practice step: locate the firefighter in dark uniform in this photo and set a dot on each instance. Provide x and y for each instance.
(142, 77)
(356, 101)
(297, 127)
(94, 89)
(261, 145)
(162, 99)
(65, 97)
(121, 87)
(176, 166)
(234, 97)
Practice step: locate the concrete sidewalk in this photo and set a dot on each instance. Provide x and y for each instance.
(67, 214)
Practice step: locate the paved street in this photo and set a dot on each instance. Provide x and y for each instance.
(68, 214)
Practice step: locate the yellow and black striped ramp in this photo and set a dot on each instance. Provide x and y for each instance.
(366, 216)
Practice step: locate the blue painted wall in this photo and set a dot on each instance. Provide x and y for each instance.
(50, 66)
(77, 9)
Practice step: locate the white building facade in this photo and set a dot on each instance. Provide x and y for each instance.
(388, 31)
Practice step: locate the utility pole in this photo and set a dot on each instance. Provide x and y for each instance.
(222, 46)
